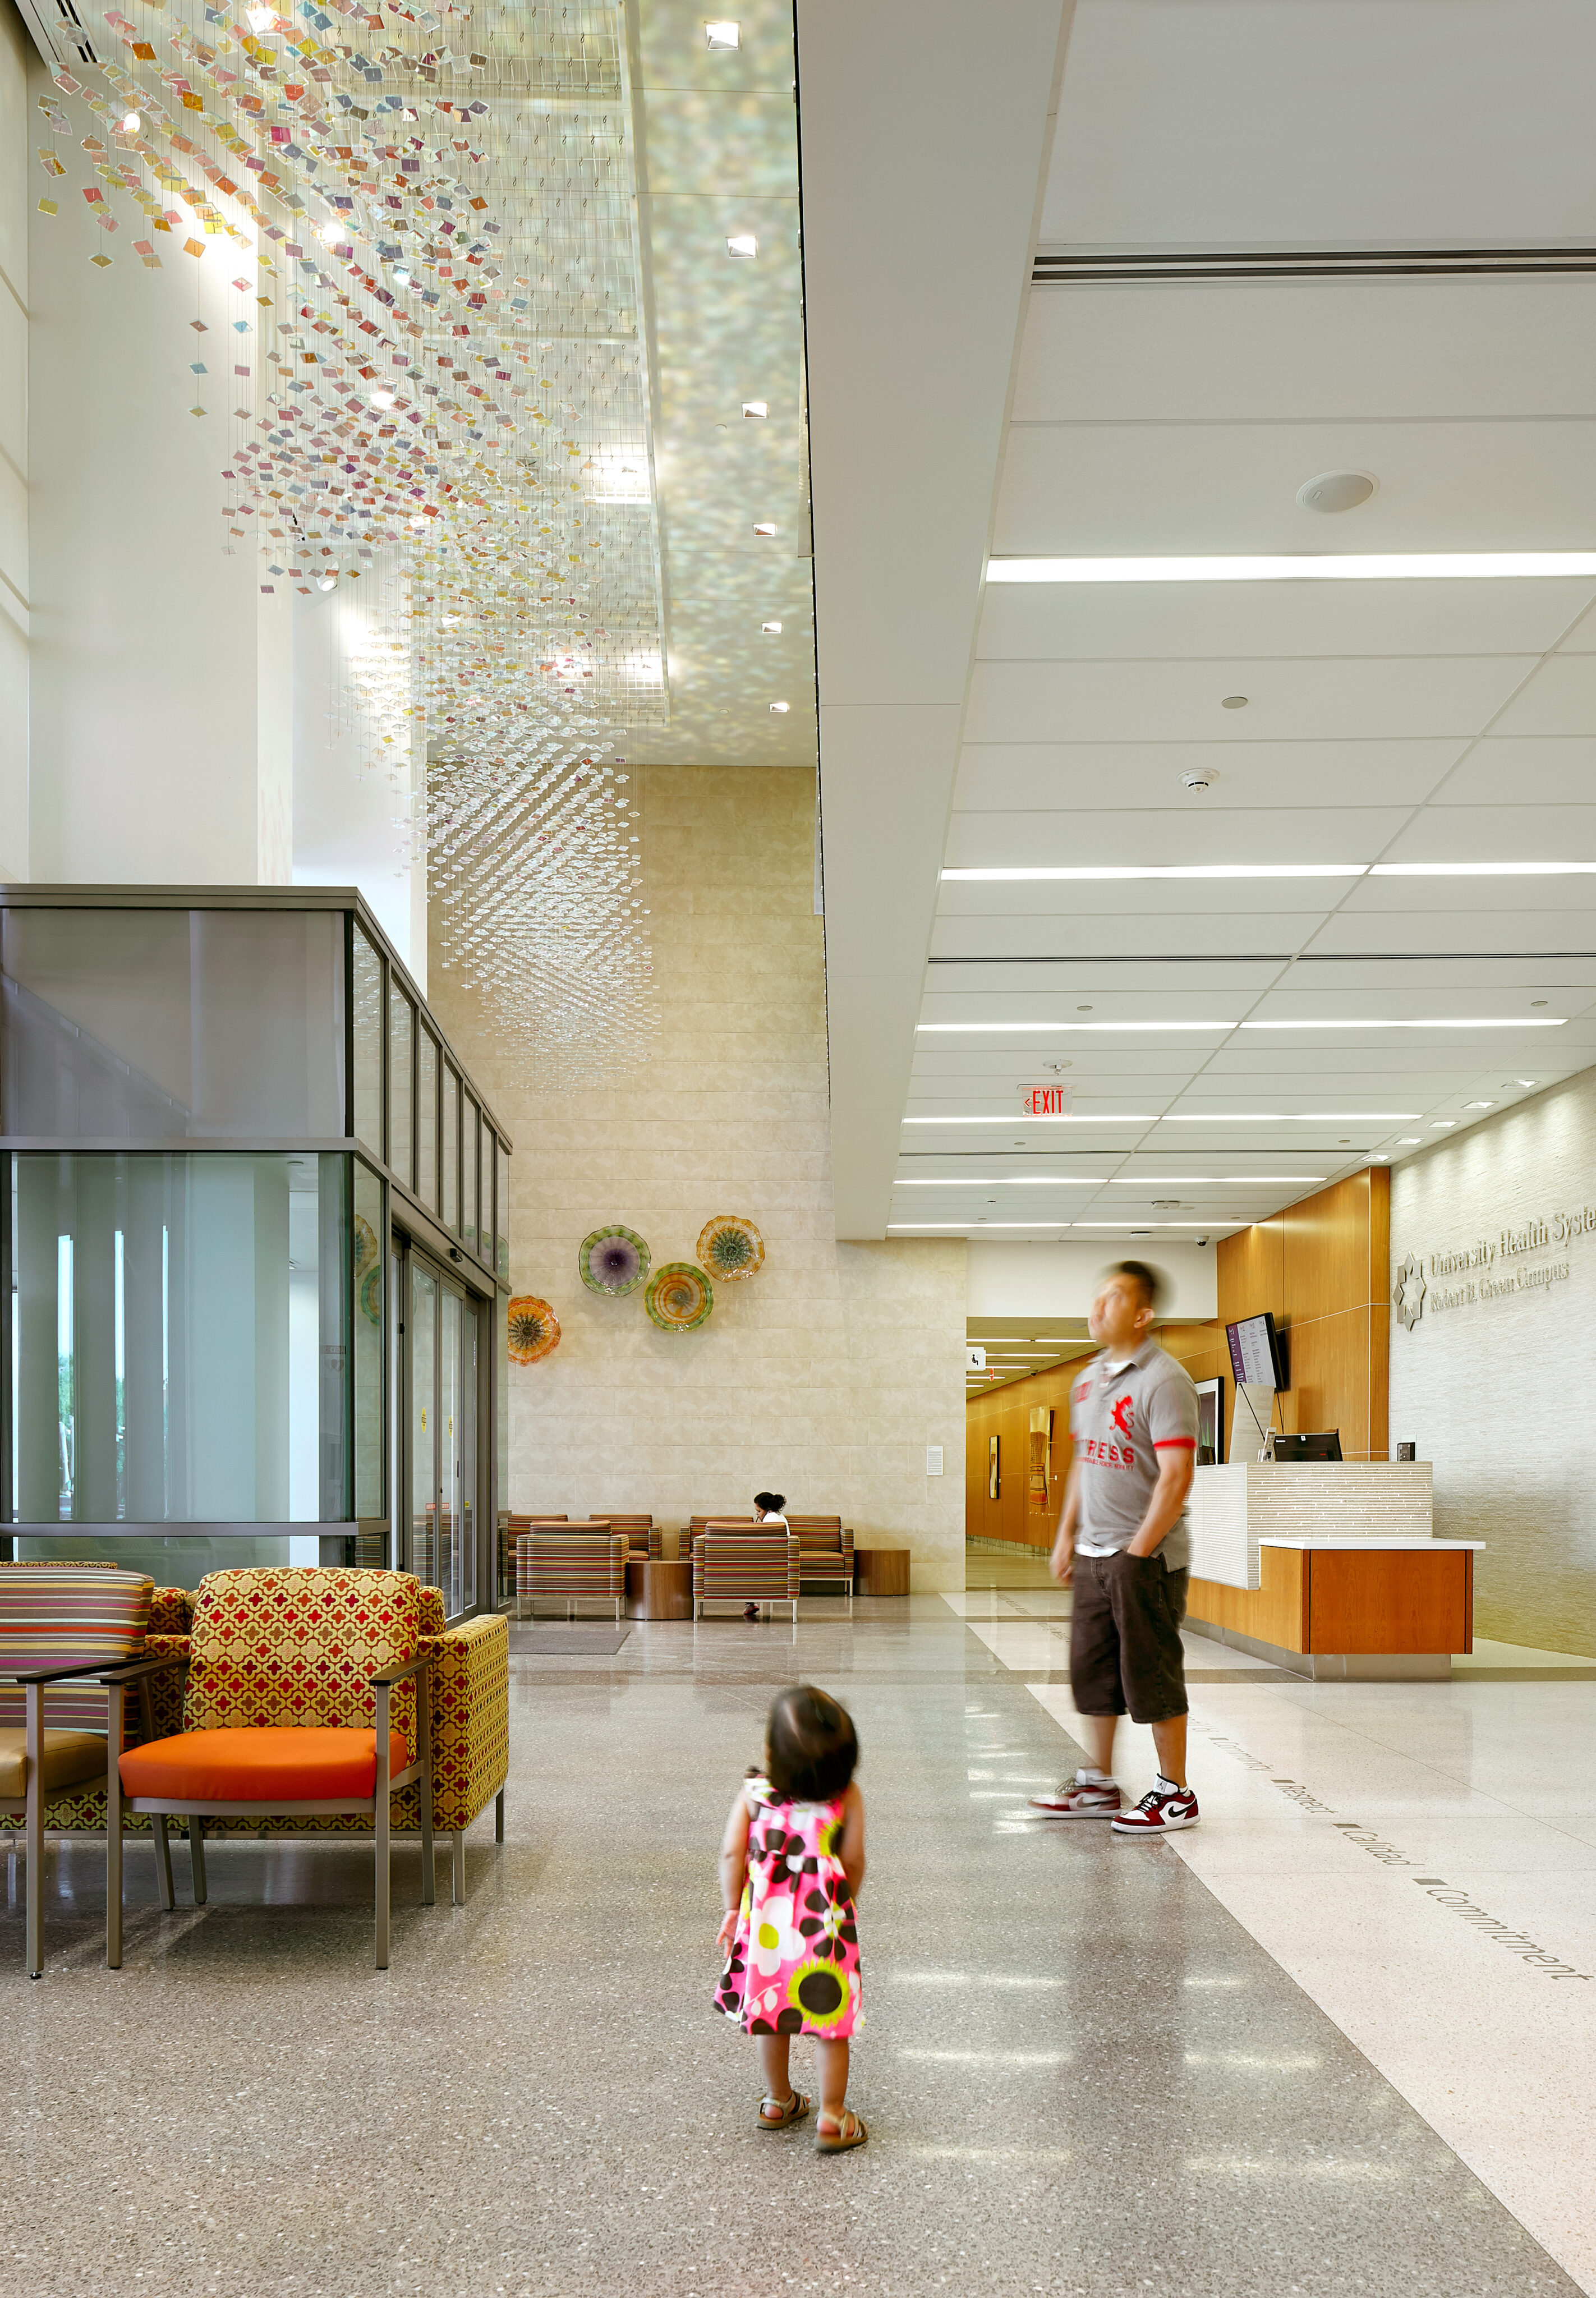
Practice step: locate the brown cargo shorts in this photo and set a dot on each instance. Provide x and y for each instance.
(1125, 1647)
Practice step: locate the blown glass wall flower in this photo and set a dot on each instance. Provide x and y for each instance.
(534, 1329)
(730, 1248)
(612, 1260)
(678, 1298)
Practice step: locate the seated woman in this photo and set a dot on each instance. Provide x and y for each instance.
(768, 1517)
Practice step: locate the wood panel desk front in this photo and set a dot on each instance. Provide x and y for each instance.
(1359, 1598)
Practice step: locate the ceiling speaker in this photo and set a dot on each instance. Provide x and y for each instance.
(1337, 490)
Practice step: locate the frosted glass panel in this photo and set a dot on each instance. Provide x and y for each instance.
(179, 1338)
(451, 1170)
(426, 1122)
(162, 1025)
(366, 990)
(402, 1021)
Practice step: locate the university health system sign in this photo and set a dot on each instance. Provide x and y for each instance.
(1490, 1269)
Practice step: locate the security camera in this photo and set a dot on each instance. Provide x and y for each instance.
(1202, 1240)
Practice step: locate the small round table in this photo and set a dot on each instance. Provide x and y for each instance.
(881, 1571)
(658, 1591)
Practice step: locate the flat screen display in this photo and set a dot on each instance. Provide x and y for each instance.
(1254, 1351)
(1320, 1444)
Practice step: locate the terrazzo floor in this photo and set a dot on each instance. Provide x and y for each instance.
(1082, 2072)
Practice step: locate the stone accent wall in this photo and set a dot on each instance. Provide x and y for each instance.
(827, 1374)
(1497, 1390)
(1234, 1507)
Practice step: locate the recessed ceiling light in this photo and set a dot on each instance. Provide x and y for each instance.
(722, 34)
(1527, 1082)
(1002, 1181)
(757, 410)
(1479, 1104)
(1407, 1141)
(1336, 491)
(1443, 1124)
(1291, 1117)
(742, 244)
(765, 527)
(1233, 702)
(1482, 869)
(781, 708)
(1306, 567)
(770, 630)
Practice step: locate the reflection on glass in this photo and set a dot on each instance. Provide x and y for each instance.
(181, 1560)
(368, 1263)
(502, 1214)
(400, 1023)
(395, 1393)
(456, 1576)
(498, 1358)
(367, 1003)
(179, 1338)
(468, 1172)
(452, 1149)
(424, 1425)
(172, 1024)
(426, 1122)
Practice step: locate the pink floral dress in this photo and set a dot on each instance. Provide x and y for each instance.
(794, 1964)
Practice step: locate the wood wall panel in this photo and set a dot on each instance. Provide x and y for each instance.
(1399, 1600)
(1322, 1269)
(1275, 1611)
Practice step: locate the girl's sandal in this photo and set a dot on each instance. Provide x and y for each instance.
(794, 2111)
(849, 2132)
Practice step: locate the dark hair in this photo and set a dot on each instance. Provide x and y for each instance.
(1138, 1272)
(775, 1502)
(811, 1746)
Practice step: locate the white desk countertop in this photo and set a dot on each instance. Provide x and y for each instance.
(1372, 1544)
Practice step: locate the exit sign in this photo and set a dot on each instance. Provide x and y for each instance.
(1044, 1100)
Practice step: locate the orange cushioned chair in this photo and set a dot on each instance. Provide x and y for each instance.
(291, 1708)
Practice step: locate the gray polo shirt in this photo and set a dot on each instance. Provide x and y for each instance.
(1121, 1419)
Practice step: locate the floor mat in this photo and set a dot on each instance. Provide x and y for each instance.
(580, 1640)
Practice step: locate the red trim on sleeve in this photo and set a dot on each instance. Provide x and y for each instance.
(1162, 1443)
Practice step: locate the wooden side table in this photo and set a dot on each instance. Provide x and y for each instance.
(881, 1571)
(658, 1591)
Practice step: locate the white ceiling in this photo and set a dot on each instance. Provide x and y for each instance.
(1438, 721)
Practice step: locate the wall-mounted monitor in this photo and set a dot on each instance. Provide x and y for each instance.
(1255, 1352)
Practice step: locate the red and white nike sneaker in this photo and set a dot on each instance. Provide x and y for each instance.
(1160, 1810)
(1080, 1799)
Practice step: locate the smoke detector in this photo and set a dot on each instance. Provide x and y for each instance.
(1199, 778)
(1336, 491)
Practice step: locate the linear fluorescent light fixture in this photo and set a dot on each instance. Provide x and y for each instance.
(1305, 567)
(1030, 1120)
(1029, 875)
(1292, 1117)
(1002, 1181)
(1210, 1180)
(964, 1224)
(1488, 1022)
(1012, 1029)
(1173, 870)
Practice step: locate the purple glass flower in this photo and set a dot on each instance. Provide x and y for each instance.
(612, 1261)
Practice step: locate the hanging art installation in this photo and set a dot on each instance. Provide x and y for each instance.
(678, 1298)
(432, 379)
(534, 1329)
(730, 1248)
(612, 1260)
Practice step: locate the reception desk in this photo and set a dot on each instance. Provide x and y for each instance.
(1329, 1568)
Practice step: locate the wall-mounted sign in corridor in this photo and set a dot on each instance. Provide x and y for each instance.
(1046, 1100)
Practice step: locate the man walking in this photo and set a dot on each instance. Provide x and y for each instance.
(1124, 1540)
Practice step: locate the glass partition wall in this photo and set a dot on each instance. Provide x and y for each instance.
(253, 1272)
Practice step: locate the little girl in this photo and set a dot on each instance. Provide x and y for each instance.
(792, 1860)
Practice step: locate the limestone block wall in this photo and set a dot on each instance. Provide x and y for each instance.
(1494, 1380)
(1235, 1506)
(825, 1377)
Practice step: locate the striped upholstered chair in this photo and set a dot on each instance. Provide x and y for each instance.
(642, 1533)
(571, 1567)
(827, 1547)
(734, 1563)
(71, 1639)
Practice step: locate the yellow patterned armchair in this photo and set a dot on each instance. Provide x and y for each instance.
(469, 1681)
